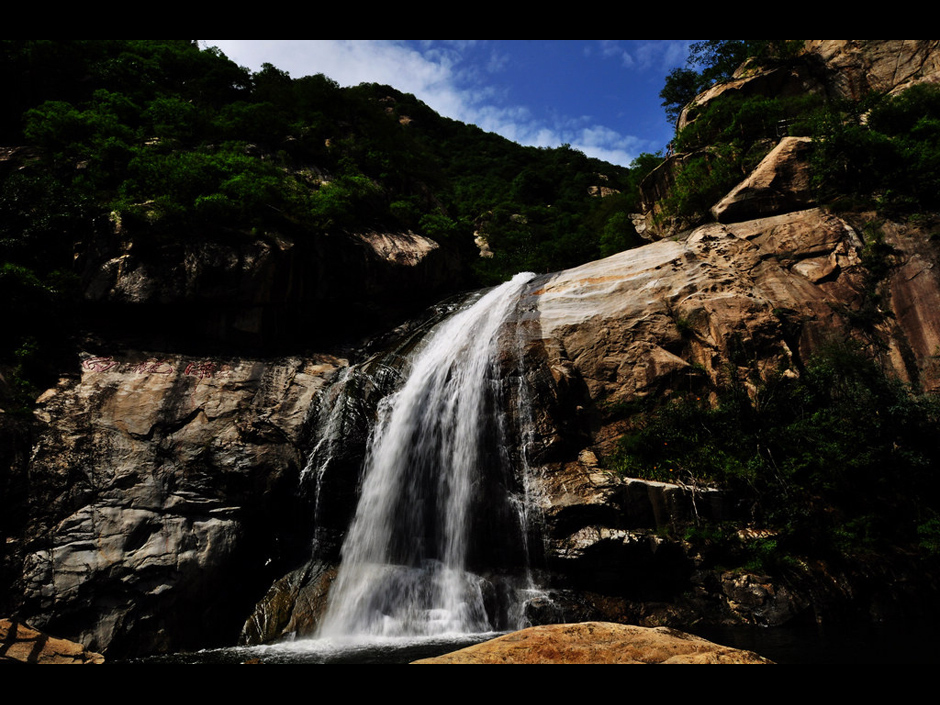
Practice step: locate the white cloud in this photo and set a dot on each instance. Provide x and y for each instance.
(609, 145)
(658, 55)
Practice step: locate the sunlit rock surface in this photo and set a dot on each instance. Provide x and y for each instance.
(596, 643)
(781, 183)
(21, 644)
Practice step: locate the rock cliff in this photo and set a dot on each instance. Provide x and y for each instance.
(160, 489)
(830, 69)
(667, 319)
(158, 497)
(837, 68)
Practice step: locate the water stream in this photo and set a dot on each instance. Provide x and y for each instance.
(440, 523)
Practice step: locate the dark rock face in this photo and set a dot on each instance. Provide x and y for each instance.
(266, 293)
(292, 607)
(15, 444)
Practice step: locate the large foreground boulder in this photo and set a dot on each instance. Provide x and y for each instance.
(597, 643)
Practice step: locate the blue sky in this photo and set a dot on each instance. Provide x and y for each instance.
(601, 96)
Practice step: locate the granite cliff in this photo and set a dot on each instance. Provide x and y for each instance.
(156, 500)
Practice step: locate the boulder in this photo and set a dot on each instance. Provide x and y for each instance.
(598, 643)
(757, 601)
(21, 644)
(293, 606)
(781, 183)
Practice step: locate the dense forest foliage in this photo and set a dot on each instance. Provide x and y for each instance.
(178, 141)
(175, 135)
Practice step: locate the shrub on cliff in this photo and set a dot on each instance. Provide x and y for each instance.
(714, 60)
(842, 460)
(725, 140)
(883, 147)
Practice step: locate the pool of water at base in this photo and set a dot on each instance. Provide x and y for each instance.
(375, 652)
(868, 643)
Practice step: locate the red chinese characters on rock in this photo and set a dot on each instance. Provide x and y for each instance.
(204, 369)
(99, 364)
(154, 367)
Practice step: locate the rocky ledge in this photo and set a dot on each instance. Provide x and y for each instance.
(21, 644)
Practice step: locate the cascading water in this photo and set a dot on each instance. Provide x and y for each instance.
(427, 513)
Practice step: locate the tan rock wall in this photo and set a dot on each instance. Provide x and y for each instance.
(597, 643)
(21, 644)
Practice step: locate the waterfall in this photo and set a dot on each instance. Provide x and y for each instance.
(428, 519)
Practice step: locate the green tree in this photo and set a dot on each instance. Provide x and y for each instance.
(712, 61)
(718, 59)
(682, 85)
(884, 148)
(842, 459)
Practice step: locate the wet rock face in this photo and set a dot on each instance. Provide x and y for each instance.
(163, 494)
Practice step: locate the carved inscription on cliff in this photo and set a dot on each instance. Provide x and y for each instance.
(200, 369)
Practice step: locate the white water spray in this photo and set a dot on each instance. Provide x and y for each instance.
(404, 569)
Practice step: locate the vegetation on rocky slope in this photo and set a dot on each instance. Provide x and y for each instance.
(883, 148)
(842, 461)
(712, 61)
(880, 149)
(179, 142)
